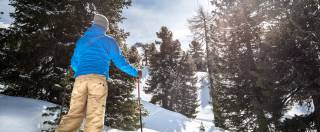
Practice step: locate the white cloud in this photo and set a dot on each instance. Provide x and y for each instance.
(4, 25)
(145, 19)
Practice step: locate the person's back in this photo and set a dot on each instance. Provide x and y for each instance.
(90, 62)
(95, 50)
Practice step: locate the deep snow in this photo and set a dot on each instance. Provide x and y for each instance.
(19, 114)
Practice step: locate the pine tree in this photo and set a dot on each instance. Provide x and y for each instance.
(162, 69)
(6, 57)
(293, 47)
(40, 46)
(185, 98)
(38, 49)
(200, 25)
(49, 118)
(196, 52)
(147, 52)
(122, 112)
(172, 81)
(243, 97)
(151, 50)
(264, 55)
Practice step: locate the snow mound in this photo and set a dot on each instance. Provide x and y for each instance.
(162, 120)
(18, 114)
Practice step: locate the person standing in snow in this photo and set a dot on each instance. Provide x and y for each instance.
(90, 63)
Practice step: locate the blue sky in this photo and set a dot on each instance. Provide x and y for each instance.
(145, 17)
(4, 7)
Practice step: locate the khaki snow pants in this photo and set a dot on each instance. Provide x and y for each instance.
(88, 101)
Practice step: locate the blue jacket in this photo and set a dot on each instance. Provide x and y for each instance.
(93, 53)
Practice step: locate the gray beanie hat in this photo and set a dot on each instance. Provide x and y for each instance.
(101, 20)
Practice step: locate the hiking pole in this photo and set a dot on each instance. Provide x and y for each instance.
(139, 103)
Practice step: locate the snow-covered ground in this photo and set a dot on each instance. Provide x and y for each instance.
(163, 120)
(205, 108)
(19, 114)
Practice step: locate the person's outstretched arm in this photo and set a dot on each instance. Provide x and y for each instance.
(119, 60)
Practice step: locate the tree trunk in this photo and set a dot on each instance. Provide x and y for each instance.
(146, 56)
(261, 118)
(258, 102)
(164, 99)
(208, 60)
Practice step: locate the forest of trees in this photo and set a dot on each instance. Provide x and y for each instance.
(262, 58)
(36, 51)
(172, 81)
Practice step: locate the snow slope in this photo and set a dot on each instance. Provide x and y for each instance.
(205, 109)
(163, 120)
(19, 114)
